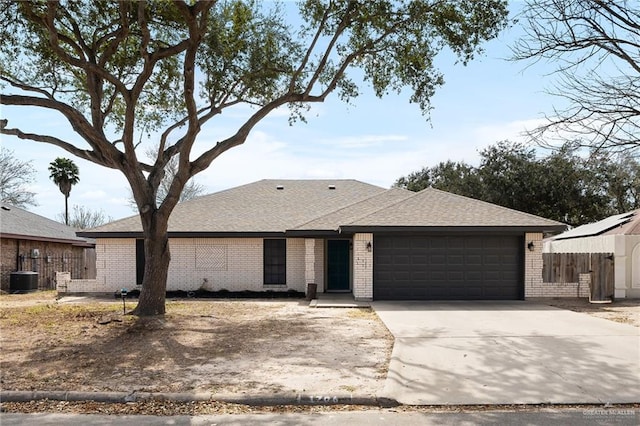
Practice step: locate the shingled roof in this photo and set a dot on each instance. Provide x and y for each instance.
(432, 208)
(266, 206)
(351, 213)
(308, 207)
(21, 224)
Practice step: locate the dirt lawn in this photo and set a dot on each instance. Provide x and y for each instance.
(222, 347)
(625, 311)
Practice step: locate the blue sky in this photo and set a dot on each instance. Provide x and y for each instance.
(373, 140)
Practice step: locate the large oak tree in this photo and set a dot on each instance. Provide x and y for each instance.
(562, 185)
(169, 68)
(594, 46)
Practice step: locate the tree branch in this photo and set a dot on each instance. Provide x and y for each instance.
(26, 87)
(81, 153)
(238, 138)
(109, 154)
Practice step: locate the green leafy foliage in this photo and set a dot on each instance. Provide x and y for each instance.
(563, 185)
(64, 173)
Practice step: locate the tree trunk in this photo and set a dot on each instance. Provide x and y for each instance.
(66, 210)
(156, 268)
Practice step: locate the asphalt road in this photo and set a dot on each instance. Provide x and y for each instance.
(568, 417)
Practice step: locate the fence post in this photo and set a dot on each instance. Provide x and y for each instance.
(601, 289)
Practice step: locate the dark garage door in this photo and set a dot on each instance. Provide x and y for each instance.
(481, 267)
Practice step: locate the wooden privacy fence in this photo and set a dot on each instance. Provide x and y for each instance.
(80, 266)
(567, 267)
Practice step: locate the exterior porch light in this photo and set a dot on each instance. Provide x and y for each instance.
(530, 246)
(369, 246)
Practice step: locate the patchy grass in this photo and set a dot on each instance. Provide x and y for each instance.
(625, 311)
(198, 346)
(362, 313)
(41, 296)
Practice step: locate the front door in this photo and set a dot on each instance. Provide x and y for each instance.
(338, 265)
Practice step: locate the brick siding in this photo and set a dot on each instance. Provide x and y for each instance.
(362, 267)
(53, 257)
(212, 264)
(534, 287)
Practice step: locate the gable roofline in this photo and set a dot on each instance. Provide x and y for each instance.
(18, 223)
(81, 242)
(433, 209)
(352, 229)
(265, 206)
(309, 226)
(298, 208)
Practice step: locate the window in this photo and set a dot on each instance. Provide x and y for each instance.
(140, 261)
(275, 261)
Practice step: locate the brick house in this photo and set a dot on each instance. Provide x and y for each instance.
(29, 242)
(343, 236)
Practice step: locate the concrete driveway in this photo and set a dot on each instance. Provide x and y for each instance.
(507, 353)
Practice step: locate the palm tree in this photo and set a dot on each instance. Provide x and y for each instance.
(64, 173)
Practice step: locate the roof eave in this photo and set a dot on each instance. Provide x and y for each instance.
(312, 233)
(139, 234)
(79, 243)
(451, 229)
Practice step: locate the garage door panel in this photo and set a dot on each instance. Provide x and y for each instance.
(448, 268)
(402, 276)
(473, 276)
(417, 243)
(492, 276)
(438, 276)
(453, 276)
(474, 292)
(420, 259)
(474, 259)
(419, 276)
(473, 242)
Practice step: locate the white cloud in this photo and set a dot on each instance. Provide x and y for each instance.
(94, 195)
(514, 131)
(364, 141)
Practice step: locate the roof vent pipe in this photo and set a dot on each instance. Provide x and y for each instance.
(332, 187)
(279, 187)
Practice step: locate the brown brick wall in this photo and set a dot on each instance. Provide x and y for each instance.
(53, 257)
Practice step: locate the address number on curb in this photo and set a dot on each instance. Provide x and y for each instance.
(319, 399)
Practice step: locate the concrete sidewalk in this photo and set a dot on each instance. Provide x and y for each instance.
(507, 353)
(337, 300)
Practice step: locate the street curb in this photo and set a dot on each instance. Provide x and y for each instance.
(253, 400)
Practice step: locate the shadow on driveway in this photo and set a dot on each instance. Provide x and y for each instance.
(507, 353)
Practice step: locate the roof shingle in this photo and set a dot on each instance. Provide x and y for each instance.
(258, 207)
(278, 206)
(19, 223)
(434, 208)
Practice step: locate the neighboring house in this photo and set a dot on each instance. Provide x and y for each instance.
(30, 242)
(343, 235)
(618, 235)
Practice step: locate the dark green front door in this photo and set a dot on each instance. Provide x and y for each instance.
(338, 265)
